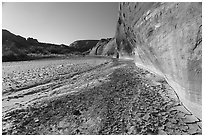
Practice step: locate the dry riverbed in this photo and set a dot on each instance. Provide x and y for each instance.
(90, 96)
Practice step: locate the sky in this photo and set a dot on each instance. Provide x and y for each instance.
(60, 22)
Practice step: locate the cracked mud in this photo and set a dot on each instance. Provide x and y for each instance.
(91, 96)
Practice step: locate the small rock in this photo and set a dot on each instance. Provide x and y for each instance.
(146, 116)
(173, 121)
(6, 118)
(77, 131)
(77, 113)
(193, 128)
(177, 132)
(162, 127)
(163, 113)
(190, 119)
(183, 128)
(181, 109)
(162, 132)
(181, 115)
(36, 119)
(200, 124)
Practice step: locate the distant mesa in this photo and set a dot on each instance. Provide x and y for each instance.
(18, 48)
(32, 40)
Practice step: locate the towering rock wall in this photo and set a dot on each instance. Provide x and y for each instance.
(165, 38)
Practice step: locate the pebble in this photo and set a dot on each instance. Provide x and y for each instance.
(131, 129)
(36, 119)
(183, 128)
(146, 117)
(173, 121)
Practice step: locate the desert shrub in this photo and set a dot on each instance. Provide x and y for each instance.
(14, 56)
(13, 53)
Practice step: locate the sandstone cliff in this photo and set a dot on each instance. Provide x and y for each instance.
(83, 45)
(165, 38)
(105, 47)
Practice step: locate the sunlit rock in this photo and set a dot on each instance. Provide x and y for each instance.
(165, 38)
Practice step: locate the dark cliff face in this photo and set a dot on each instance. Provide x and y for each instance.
(17, 48)
(165, 38)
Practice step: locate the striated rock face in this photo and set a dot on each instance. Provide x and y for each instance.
(105, 47)
(83, 45)
(165, 38)
(97, 49)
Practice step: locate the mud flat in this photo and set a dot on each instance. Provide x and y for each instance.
(90, 96)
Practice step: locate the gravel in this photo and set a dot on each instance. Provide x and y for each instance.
(125, 102)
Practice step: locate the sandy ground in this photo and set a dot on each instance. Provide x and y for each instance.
(90, 96)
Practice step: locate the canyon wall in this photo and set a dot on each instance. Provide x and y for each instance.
(165, 38)
(105, 47)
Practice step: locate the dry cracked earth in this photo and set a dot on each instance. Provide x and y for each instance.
(90, 96)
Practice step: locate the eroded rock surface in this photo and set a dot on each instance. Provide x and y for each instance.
(105, 47)
(83, 45)
(165, 38)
